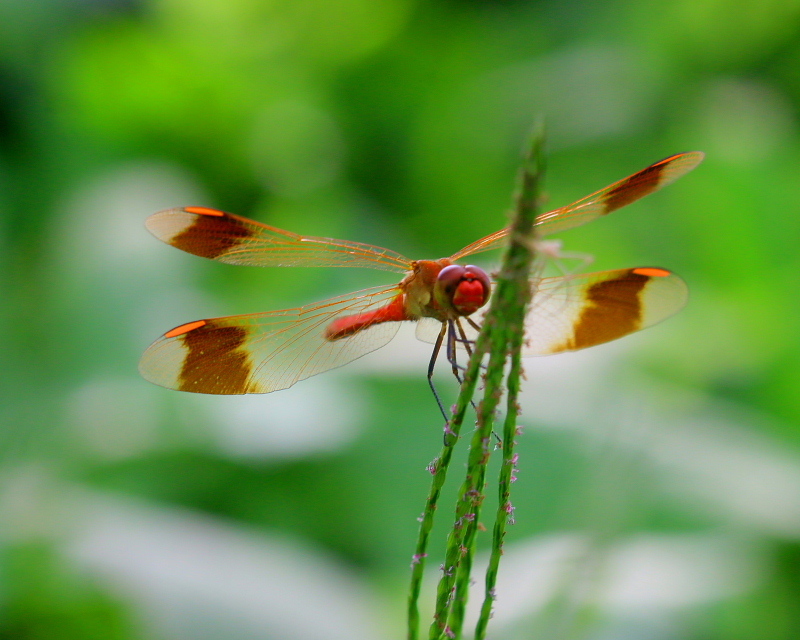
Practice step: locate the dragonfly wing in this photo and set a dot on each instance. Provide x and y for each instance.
(619, 194)
(600, 203)
(264, 352)
(574, 312)
(495, 240)
(225, 237)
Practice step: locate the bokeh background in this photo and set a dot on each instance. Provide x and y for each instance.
(659, 484)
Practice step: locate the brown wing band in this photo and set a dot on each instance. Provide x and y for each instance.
(215, 361)
(211, 236)
(613, 309)
(636, 186)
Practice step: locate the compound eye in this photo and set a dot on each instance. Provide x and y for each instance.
(471, 272)
(450, 276)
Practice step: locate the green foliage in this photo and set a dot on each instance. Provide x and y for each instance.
(397, 123)
(43, 599)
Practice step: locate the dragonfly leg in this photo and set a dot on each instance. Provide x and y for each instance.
(466, 344)
(431, 365)
(473, 324)
(464, 340)
(451, 350)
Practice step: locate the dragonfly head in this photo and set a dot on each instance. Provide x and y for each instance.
(465, 289)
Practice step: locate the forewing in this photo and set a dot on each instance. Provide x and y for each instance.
(225, 237)
(619, 194)
(574, 312)
(495, 240)
(264, 352)
(598, 204)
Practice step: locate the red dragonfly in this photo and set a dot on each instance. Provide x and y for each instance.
(264, 352)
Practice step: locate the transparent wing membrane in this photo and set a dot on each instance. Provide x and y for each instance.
(232, 239)
(265, 352)
(574, 312)
(598, 204)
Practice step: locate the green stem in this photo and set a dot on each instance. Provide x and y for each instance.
(500, 335)
(503, 329)
(439, 471)
(504, 506)
(520, 265)
(461, 542)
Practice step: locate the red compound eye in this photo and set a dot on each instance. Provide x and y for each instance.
(450, 276)
(471, 272)
(465, 289)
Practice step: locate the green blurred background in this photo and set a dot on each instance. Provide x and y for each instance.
(659, 484)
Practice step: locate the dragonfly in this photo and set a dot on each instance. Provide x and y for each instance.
(265, 352)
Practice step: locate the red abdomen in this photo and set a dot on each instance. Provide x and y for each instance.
(350, 325)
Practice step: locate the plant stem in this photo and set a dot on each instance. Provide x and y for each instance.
(439, 471)
(520, 264)
(501, 334)
(461, 541)
(504, 506)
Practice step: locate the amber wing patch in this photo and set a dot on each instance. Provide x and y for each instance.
(575, 312)
(600, 203)
(216, 360)
(612, 309)
(211, 236)
(636, 186)
(264, 352)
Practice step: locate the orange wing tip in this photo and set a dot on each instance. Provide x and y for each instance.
(204, 211)
(185, 328)
(652, 272)
(691, 157)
